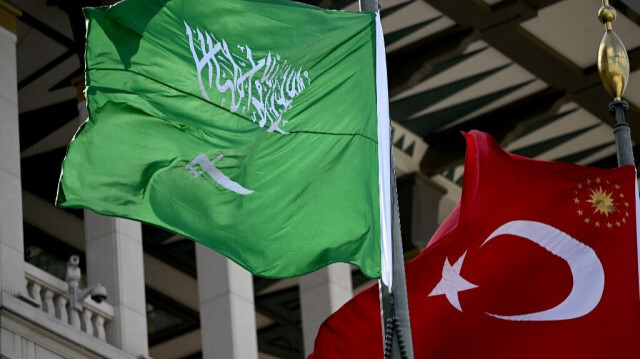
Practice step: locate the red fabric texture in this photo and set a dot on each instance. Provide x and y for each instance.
(513, 274)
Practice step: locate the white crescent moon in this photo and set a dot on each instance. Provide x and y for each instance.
(586, 269)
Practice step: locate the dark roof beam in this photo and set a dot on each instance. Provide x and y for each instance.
(625, 9)
(275, 317)
(411, 63)
(47, 30)
(583, 86)
(447, 148)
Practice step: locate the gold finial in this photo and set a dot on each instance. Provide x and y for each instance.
(9, 15)
(613, 62)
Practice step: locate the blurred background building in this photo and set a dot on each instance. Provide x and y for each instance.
(522, 70)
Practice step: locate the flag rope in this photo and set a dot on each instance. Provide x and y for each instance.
(393, 326)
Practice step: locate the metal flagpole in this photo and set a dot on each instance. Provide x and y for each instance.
(398, 318)
(368, 5)
(396, 326)
(613, 65)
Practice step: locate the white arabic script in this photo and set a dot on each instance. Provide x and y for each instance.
(262, 89)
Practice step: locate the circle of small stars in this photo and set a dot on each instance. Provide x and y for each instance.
(601, 203)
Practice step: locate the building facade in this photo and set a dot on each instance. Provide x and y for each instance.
(522, 70)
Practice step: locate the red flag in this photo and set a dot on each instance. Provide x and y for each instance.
(539, 260)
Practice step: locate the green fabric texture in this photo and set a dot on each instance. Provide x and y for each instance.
(246, 125)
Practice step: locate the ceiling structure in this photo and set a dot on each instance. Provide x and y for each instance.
(523, 70)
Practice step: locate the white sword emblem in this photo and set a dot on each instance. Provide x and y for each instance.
(206, 166)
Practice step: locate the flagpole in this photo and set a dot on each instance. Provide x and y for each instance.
(613, 66)
(368, 5)
(394, 304)
(402, 346)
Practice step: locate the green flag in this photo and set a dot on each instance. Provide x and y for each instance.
(249, 126)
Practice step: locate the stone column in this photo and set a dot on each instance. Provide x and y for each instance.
(227, 310)
(11, 236)
(322, 293)
(115, 259)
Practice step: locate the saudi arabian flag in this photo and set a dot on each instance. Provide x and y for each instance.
(250, 126)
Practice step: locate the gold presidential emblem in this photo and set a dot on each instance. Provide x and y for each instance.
(601, 203)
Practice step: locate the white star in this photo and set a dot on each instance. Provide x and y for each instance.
(452, 283)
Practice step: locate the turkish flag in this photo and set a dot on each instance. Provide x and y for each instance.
(539, 260)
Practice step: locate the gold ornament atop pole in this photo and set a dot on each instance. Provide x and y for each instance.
(613, 62)
(613, 65)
